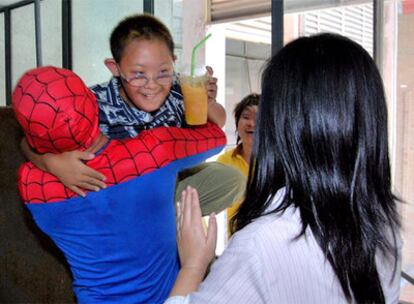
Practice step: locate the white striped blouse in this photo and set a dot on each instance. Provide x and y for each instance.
(264, 264)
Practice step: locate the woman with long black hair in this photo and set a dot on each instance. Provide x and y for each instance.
(319, 223)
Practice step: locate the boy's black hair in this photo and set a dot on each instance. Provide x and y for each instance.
(141, 26)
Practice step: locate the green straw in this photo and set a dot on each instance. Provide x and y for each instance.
(195, 50)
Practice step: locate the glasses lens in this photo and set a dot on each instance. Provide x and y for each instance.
(165, 79)
(138, 81)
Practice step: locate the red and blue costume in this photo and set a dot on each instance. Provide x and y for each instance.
(120, 242)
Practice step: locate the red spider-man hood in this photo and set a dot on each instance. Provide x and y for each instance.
(56, 110)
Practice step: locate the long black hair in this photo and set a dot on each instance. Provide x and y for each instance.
(322, 134)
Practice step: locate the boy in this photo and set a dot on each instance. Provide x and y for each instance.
(142, 95)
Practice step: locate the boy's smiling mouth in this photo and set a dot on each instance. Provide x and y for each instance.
(150, 95)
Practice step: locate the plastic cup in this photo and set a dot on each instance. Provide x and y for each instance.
(195, 99)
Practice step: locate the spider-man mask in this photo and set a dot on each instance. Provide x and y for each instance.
(56, 110)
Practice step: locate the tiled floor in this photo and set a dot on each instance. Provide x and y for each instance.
(407, 290)
(407, 294)
(405, 163)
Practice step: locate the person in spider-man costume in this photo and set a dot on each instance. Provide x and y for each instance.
(120, 242)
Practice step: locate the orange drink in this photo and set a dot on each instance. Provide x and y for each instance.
(195, 99)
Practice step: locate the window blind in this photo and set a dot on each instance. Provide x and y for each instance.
(231, 10)
(354, 22)
(227, 10)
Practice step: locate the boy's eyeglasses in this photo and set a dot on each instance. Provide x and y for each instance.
(141, 80)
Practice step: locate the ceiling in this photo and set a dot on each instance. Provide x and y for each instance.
(4, 3)
(7, 2)
(254, 30)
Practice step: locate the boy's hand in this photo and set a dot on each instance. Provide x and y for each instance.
(70, 169)
(196, 248)
(211, 85)
(216, 112)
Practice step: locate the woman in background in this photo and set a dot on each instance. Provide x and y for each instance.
(319, 223)
(239, 157)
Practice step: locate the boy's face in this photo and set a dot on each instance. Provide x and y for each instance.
(152, 59)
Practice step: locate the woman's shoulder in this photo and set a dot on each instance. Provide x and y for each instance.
(230, 157)
(227, 154)
(274, 230)
(273, 227)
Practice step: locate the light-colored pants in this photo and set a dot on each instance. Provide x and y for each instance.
(218, 185)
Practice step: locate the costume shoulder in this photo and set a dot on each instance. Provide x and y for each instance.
(123, 160)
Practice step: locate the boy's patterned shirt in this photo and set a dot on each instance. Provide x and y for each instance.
(119, 120)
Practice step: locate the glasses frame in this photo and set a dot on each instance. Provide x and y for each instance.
(147, 79)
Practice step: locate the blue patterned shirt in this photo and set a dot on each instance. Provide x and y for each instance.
(117, 119)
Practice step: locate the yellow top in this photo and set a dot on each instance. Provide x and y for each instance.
(234, 160)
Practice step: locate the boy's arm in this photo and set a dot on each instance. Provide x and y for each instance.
(216, 112)
(68, 167)
(36, 159)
